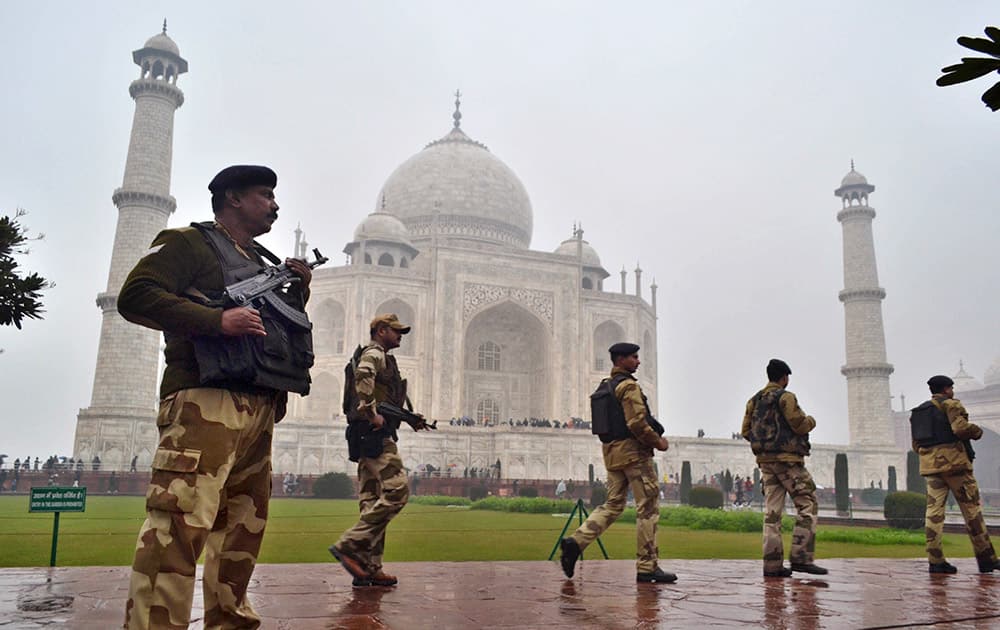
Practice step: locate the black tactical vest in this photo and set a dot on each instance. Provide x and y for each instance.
(929, 425)
(280, 360)
(607, 417)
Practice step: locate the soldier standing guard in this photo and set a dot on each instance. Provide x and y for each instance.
(941, 432)
(778, 432)
(632, 434)
(211, 474)
(372, 377)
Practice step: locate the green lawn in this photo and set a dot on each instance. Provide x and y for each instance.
(300, 530)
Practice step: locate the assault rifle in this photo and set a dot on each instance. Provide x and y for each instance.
(259, 289)
(397, 415)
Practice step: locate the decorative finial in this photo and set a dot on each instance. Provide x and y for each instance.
(852, 164)
(961, 365)
(457, 116)
(164, 26)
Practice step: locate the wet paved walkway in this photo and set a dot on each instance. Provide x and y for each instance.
(858, 593)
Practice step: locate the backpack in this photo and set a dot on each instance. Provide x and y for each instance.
(350, 402)
(767, 425)
(607, 418)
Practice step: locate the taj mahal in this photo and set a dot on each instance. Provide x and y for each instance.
(448, 247)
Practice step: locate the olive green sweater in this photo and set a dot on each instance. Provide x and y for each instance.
(153, 296)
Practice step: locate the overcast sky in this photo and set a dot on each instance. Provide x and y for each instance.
(702, 140)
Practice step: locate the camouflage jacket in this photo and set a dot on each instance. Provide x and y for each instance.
(377, 379)
(949, 459)
(623, 453)
(800, 423)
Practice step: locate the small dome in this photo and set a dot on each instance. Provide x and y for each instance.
(590, 257)
(383, 227)
(964, 382)
(992, 376)
(161, 41)
(854, 178)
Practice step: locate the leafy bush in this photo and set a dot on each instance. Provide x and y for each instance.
(437, 499)
(477, 492)
(712, 519)
(905, 510)
(706, 497)
(598, 494)
(334, 485)
(525, 504)
(873, 496)
(881, 536)
(527, 491)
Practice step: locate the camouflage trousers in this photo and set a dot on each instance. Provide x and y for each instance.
(641, 478)
(209, 490)
(382, 494)
(781, 479)
(966, 491)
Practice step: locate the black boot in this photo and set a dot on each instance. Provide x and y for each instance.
(942, 567)
(989, 566)
(783, 572)
(570, 554)
(658, 575)
(808, 568)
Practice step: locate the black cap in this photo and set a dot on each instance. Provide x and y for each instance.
(623, 349)
(939, 383)
(776, 368)
(242, 176)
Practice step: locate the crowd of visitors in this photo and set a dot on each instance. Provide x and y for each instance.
(545, 423)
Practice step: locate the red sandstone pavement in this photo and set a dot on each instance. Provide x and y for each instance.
(858, 593)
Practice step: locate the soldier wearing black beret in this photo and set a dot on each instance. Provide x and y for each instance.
(778, 432)
(214, 452)
(942, 436)
(627, 446)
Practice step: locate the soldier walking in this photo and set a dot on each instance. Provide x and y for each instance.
(778, 432)
(941, 434)
(628, 435)
(373, 377)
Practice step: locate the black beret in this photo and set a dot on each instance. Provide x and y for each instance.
(242, 176)
(623, 349)
(777, 368)
(939, 383)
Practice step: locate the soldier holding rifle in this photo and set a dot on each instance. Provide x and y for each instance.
(229, 370)
(374, 400)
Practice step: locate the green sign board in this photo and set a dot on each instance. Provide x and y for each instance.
(58, 499)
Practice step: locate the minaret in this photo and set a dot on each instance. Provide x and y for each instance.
(867, 372)
(122, 406)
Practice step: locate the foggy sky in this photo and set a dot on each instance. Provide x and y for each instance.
(701, 140)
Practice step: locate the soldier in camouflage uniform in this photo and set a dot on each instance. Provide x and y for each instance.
(383, 487)
(629, 462)
(211, 477)
(778, 432)
(945, 462)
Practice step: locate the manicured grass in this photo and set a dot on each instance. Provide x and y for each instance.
(300, 530)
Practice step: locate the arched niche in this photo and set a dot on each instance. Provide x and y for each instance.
(606, 335)
(328, 327)
(520, 384)
(385, 260)
(405, 313)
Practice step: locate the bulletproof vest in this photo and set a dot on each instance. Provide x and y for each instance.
(770, 433)
(390, 386)
(607, 417)
(280, 360)
(929, 425)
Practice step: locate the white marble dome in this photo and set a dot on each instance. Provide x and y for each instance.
(161, 41)
(382, 226)
(455, 188)
(964, 382)
(589, 254)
